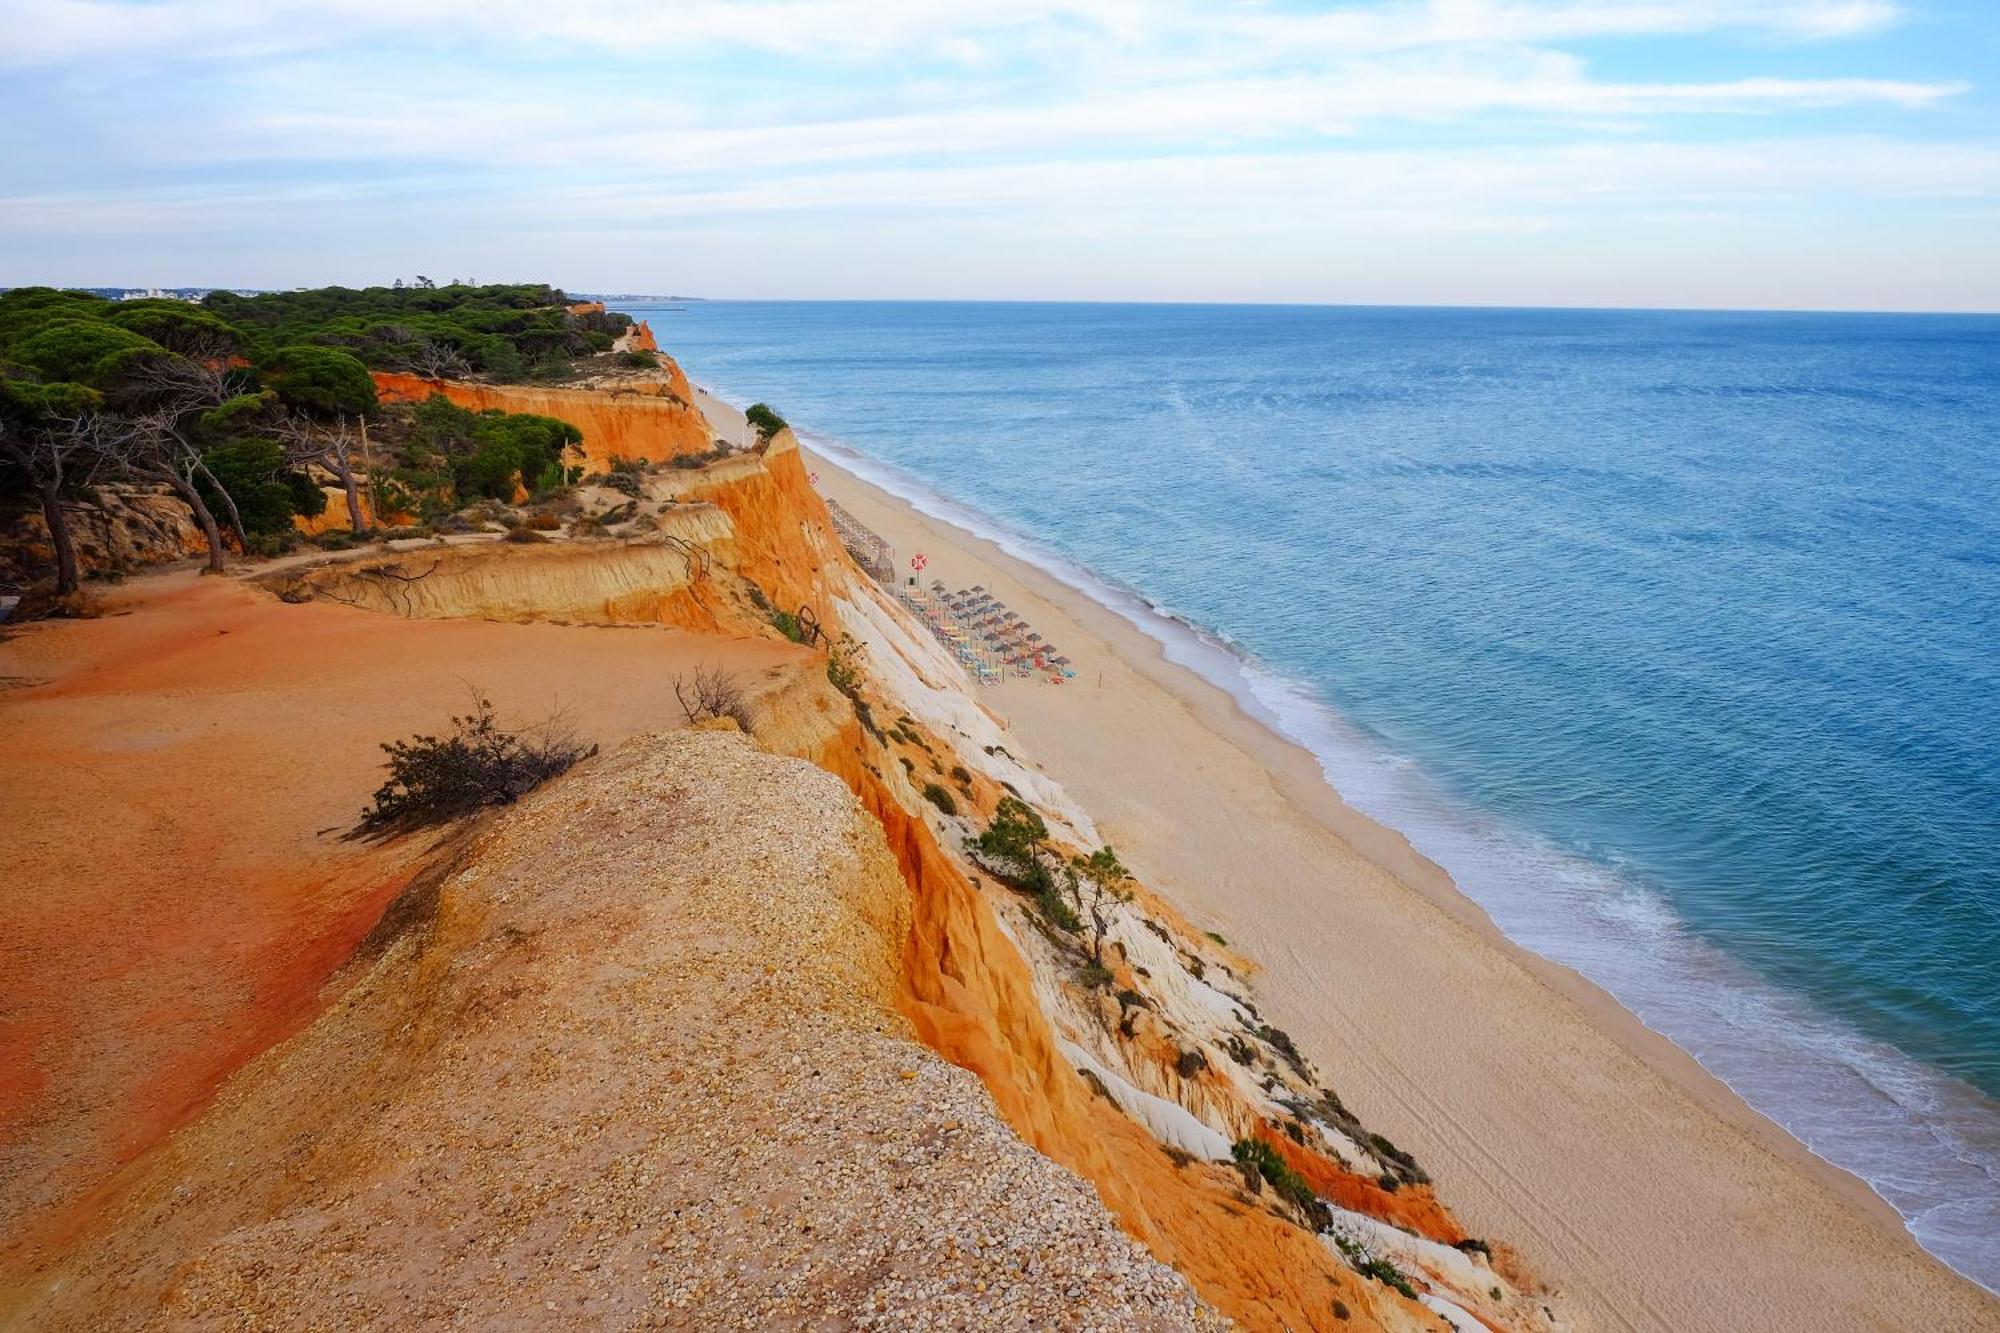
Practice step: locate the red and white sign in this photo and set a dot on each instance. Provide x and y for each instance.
(918, 561)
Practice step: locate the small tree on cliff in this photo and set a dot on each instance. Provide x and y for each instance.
(1107, 880)
(1014, 848)
(767, 422)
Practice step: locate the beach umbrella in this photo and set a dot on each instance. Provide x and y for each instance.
(1034, 638)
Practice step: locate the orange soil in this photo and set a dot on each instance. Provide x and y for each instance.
(653, 426)
(177, 776)
(644, 341)
(1411, 1206)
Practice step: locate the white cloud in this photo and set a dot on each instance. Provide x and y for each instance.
(1001, 145)
(54, 31)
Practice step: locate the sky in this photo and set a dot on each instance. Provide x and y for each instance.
(1793, 154)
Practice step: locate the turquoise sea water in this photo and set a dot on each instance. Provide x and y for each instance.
(1675, 637)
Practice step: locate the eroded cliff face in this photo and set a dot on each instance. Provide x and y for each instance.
(668, 577)
(652, 420)
(1132, 1052)
(121, 529)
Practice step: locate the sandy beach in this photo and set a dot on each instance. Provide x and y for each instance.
(1648, 1193)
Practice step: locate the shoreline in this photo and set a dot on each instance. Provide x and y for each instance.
(1580, 1028)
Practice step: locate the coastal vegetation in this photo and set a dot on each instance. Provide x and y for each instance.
(766, 421)
(248, 409)
(507, 331)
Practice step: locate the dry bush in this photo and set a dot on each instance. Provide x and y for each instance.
(479, 763)
(711, 692)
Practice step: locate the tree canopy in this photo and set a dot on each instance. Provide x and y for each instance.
(321, 381)
(179, 327)
(86, 351)
(504, 331)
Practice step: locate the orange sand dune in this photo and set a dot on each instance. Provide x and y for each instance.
(176, 777)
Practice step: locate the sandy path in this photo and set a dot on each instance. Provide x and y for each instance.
(174, 781)
(1641, 1187)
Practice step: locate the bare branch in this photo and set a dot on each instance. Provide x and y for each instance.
(711, 692)
(436, 360)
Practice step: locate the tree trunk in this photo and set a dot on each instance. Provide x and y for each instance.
(1102, 925)
(217, 552)
(60, 539)
(353, 489)
(368, 461)
(229, 504)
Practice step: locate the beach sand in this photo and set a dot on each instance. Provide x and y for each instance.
(1645, 1192)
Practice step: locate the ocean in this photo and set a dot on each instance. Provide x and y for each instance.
(1674, 637)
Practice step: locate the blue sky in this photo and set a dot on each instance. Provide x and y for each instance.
(1761, 153)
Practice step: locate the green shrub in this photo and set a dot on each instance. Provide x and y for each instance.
(1278, 1173)
(85, 351)
(788, 625)
(841, 670)
(640, 360)
(1403, 1164)
(1388, 1274)
(767, 422)
(1057, 912)
(182, 329)
(940, 798)
(267, 494)
(1012, 848)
